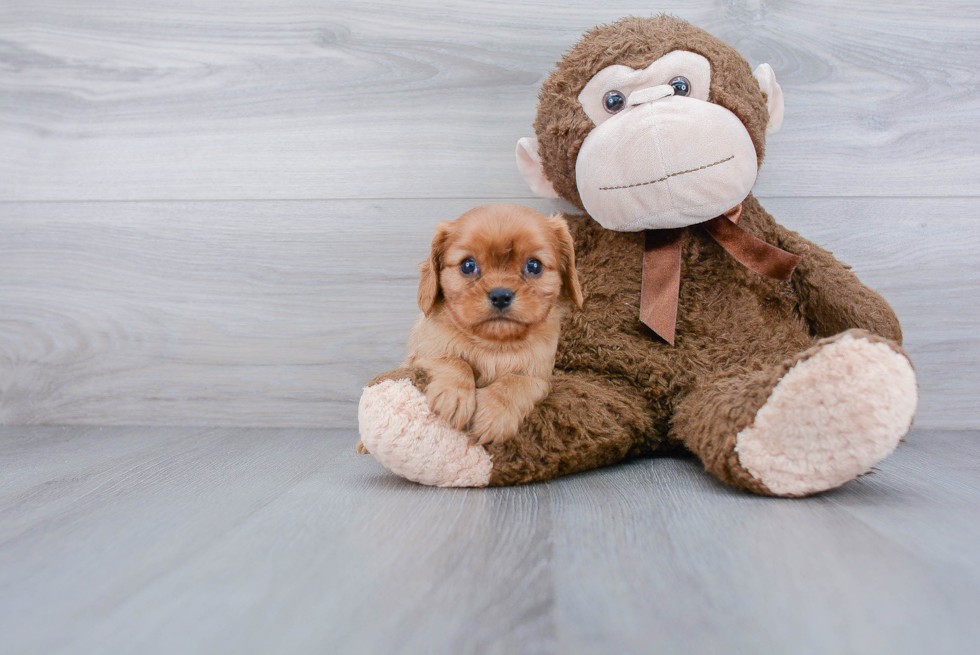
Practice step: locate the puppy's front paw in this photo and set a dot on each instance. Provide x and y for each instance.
(494, 421)
(452, 403)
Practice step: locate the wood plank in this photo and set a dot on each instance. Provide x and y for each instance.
(658, 557)
(282, 541)
(49, 453)
(292, 100)
(81, 541)
(259, 540)
(210, 313)
(276, 313)
(931, 469)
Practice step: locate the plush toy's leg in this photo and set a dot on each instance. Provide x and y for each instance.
(813, 423)
(586, 422)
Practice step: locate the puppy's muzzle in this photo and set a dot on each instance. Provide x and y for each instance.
(501, 298)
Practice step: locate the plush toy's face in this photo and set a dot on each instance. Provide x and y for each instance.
(661, 155)
(647, 142)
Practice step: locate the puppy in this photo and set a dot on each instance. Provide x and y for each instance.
(493, 292)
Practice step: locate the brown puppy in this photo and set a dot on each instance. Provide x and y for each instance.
(491, 297)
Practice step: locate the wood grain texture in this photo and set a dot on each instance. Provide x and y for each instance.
(658, 557)
(205, 313)
(257, 541)
(299, 100)
(165, 540)
(277, 313)
(936, 468)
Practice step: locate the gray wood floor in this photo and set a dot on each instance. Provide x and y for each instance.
(234, 540)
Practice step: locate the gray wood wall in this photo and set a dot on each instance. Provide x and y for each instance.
(211, 210)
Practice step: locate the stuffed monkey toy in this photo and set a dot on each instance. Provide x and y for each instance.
(706, 325)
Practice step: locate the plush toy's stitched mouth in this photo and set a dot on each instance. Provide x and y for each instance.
(666, 177)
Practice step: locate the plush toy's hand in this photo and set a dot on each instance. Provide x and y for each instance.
(451, 401)
(494, 421)
(416, 376)
(401, 432)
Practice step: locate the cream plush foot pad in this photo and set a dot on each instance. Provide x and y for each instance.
(830, 418)
(397, 428)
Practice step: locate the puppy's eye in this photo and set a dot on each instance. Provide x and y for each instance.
(468, 266)
(533, 267)
(682, 86)
(614, 101)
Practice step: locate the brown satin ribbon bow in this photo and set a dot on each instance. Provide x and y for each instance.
(662, 266)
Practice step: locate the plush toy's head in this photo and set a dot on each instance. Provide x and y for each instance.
(651, 123)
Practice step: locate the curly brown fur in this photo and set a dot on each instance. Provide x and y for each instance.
(596, 418)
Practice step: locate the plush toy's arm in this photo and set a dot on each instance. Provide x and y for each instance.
(832, 298)
(586, 421)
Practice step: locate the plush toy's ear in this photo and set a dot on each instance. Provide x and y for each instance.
(429, 289)
(529, 164)
(570, 287)
(774, 97)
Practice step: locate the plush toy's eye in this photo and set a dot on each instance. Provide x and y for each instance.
(614, 101)
(682, 86)
(533, 267)
(468, 266)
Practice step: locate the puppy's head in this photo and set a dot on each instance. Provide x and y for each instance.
(499, 270)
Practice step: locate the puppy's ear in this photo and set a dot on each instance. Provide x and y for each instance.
(429, 290)
(571, 289)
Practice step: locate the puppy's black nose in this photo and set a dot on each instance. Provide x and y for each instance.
(501, 298)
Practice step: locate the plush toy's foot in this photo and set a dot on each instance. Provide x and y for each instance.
(831, 417)
(400, 431)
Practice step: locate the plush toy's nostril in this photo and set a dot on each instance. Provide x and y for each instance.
(501, 298)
